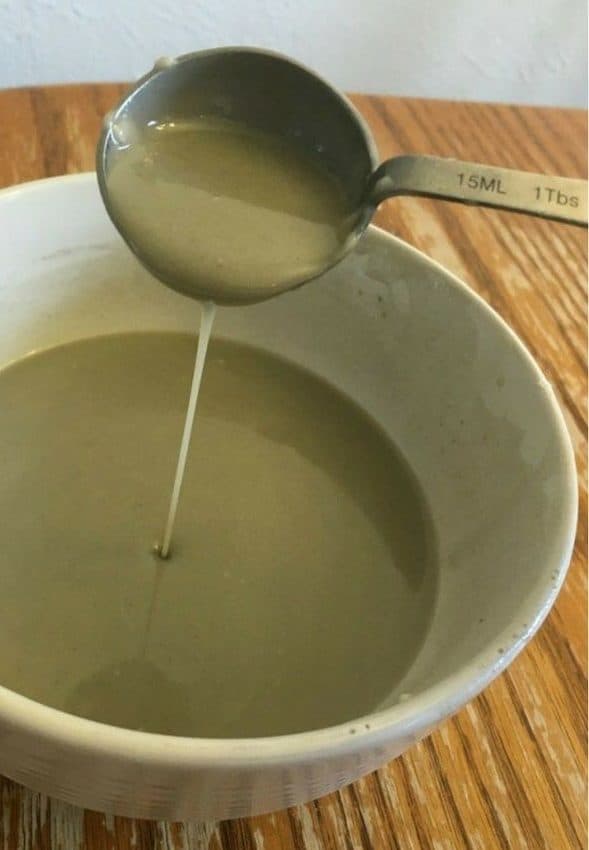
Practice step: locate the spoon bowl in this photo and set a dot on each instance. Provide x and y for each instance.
(267, 93)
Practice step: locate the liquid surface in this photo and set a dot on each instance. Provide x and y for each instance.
(303, 575)
(223, 212)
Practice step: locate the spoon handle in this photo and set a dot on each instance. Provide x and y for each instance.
(559, 198)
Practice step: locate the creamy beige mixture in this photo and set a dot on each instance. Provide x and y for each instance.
(224, 212)
(303, 575)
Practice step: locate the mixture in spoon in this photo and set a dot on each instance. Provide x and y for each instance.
(225, 212)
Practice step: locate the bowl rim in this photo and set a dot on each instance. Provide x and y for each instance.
(405, 720)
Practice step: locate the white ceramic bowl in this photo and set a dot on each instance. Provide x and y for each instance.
(445, 377)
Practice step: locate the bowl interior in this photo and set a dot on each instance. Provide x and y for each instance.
(442, 375)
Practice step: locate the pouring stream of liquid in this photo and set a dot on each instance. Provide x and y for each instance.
(206, 323)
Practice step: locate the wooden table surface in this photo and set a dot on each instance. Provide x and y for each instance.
(509, 770)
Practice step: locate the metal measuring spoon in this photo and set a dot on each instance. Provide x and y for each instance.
(271, 93)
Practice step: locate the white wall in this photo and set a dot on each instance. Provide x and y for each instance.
(526, 51)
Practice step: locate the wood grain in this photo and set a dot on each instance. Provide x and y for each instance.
(508, 771)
